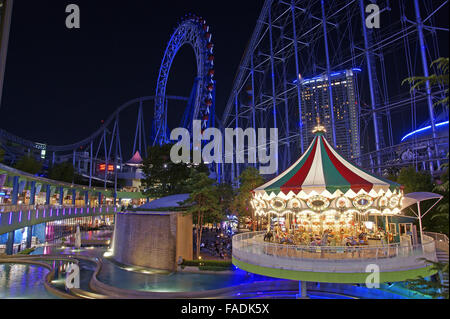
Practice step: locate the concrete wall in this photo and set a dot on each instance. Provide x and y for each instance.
(185, 239)
(153, 240)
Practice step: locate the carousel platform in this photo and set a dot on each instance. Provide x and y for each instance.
(333, 264)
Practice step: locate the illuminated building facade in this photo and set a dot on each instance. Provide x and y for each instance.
(315, 103)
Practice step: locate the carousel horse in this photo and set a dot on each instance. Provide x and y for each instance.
(268, 236)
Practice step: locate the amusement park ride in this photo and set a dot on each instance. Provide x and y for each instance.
(292, 40)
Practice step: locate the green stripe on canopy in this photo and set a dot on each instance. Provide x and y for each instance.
(333, 179)
(275, 187)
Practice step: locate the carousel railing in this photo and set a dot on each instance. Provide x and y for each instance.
(441, 240)
(253, 243)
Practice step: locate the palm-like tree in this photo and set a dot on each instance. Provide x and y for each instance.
(440, 78)
(436, 289)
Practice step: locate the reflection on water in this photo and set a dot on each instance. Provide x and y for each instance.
(23, 281)
(119, 277)
(27, 281)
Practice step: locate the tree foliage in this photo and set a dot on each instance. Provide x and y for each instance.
(2, 155)
(248, 181)
(63, 172)
(440, 78)
(28, 164)
(415, 181)
(436, 289)
(204, 203)
(442, 210)
(422, 181)
(162, 176)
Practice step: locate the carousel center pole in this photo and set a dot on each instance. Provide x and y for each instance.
(302, 291)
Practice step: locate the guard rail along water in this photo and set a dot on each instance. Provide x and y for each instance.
(252, 249)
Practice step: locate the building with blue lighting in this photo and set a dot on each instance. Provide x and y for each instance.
(315, 102)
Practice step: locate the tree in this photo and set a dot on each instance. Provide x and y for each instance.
(436, 289)
(248, 180)
(414, 181)
(226, 195)
(28, 164)
(2, 155)
(441, 78)
(63, 172)
(203, 203)
(162, 176)
(442, 210)
(422, 181)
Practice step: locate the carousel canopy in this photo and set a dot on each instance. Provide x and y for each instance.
(321, 169)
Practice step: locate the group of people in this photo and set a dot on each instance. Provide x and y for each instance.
(328, 237)
(216, 243)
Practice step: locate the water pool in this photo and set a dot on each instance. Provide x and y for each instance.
(23, 282)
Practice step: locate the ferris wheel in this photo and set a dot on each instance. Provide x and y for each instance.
(194, 31)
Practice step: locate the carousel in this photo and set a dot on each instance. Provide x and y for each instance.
(324, 200)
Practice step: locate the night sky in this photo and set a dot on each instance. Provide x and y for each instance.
(60, 83)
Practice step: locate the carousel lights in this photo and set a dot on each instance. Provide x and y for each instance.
(318, 203)
(278, 204)
(362, 201)
(394, 201)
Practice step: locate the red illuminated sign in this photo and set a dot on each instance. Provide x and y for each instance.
(102, 167)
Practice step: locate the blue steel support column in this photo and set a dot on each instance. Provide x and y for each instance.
(327, 55)
(272, 63)
(61, 195)
(99, 199)
(425, 74)
(237, 138)
(33, 193)
(287, 158)
(106, 157)
(371, 85)
(15, 190)
(297, 72)
(10, 243)
(74, 196)
(47, 194)
(90, 165)
(115, 157)
(86, 198)
(29, 236)
(252, 67)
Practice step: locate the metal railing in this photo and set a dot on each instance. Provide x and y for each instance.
(251, 247)
(441, 240)
(16, 208)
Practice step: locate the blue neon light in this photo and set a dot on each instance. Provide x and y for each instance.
(423, 129)
(331, 74)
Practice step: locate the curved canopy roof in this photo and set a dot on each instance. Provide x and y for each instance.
(321, 169)
(417, 197)
(136, 160)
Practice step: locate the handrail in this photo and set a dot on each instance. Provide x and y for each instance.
(437, 236)
(441, 240)
(16, 208)
(253, 242)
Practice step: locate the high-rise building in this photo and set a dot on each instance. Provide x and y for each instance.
(315, 103)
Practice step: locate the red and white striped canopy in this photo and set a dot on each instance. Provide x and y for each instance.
(321, 170)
